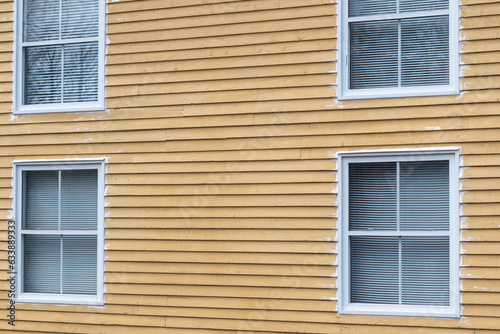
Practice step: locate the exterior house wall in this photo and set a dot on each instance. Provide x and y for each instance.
(221, 130)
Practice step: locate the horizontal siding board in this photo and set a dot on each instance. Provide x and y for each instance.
(216, 223)
(221, 130)
(232, 246)
(158, 20)
(173, 31)
(130, 261)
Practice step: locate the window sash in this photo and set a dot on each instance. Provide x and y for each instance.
(346, 306)
(85, 90)
(89, 294)
(415, 86)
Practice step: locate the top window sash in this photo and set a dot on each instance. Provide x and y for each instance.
(19, 106)
(344, 92)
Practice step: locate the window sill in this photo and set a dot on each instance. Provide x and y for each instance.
(45, 298)
(407, 92)
(59, 108)
(400, 310)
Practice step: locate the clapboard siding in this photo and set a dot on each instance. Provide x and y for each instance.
(221, 126)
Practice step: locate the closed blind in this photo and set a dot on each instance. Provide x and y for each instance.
(60, 201)
(399, 196)
(41, 200)
(374, 54)
(42, 263)
(373, 196)
(425, 51)
(395, 51)
(79, 200)
(65, 68)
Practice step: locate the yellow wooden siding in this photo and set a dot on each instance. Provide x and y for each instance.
(221, 128)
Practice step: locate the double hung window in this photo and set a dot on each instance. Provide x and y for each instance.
(60, 233)
(60, 55)
(399, 234)
(392, 48)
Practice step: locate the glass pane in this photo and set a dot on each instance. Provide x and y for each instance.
(422, 5)
(42, 264)
(40, 200)
(425, 196)
(425, 51)
(374, 270)
(41, 20)
(372, 196)
(371, 7)
(80, 265)
(79, 200)
(80, 18)
(374, 54)
(43, 74)
(81, 72)
(426, 270)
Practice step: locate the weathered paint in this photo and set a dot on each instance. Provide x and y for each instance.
(221, 129)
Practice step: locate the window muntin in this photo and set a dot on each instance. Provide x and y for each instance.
(399, 235)
(59, 63)
(398, 48)
(60, 232)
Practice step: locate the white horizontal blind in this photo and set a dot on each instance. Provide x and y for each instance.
(62, 201)
(424, 196)
(60, 46)
(398, 43)
(79, 274)
(372, 195)
(79, 200)
(394, 209)
(42, 263)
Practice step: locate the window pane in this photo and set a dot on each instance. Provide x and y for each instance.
(425, 195)
(422, 5)
(374, 270)
(79, 265)
(371, 7)
(43, 74)
(426, 270)
(41, 20)
(42, 264)
(80, 18)
(41, 200)
(81, 72)
(374, 54)
(79, 200)
(425, 51)
(372, 196)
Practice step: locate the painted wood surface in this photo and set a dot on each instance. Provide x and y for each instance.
(221, 123)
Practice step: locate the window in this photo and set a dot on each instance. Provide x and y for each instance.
(394, 48)
(59, 55)
(399, 234)
(59, 214)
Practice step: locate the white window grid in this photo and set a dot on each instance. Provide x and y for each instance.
(344, 304)
(343, 46)
(19, 45)
(51, 298)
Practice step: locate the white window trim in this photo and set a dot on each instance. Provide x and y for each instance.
(347, 308)
(48, 298)
(18, 82)
(343, 91)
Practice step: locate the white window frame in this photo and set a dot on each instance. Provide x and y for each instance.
(343, 46)
(51, 298)
(344, 304)
(18, 78)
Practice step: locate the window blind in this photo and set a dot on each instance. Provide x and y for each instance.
(410, 197)
(60, 201)
(398, 51)
(62, 67)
